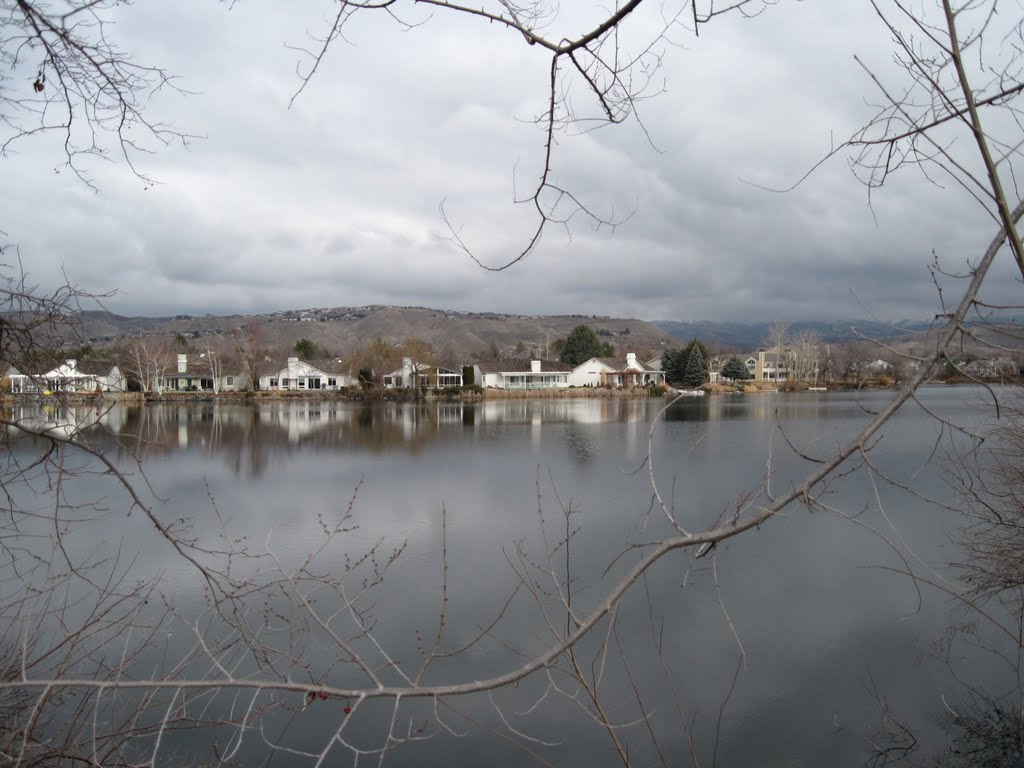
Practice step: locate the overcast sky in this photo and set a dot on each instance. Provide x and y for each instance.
(335, 201)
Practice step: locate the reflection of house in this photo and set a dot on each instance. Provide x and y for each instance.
(612, 372)
(413, 374)
(70, 376)
(542, 374)
(298, 375)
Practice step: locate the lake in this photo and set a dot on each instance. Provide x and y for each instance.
(776, 649)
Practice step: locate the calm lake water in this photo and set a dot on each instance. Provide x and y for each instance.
(809, 608)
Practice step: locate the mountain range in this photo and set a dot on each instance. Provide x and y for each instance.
(341, 330)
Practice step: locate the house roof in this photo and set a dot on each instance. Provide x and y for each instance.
(328, 364)
(512, 367)
(97, 367)
(619, 364)
(546, 366)
(73, 369)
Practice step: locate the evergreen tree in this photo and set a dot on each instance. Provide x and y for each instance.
(696, 343)
(580, 345)
(696, 369)
(305, 349)
(735, 369)
(673, 363)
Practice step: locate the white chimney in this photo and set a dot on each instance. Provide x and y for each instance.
(535, 366)
(631, 359)
(182, 362)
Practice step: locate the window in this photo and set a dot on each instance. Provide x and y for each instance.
(332, 382)
(273, 381)
(314, 383)
(285, 383)
(231, 381)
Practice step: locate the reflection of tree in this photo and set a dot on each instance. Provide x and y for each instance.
(581, 446)
(249, 435)
(690, 409)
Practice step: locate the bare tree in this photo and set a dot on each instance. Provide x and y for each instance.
(985, 725)
(64, 74)
(807, 355)
(778, 341)
(148, 362)
(378, 357)
(211, 360)
(616, 80)
(273, 637)
(250, 347)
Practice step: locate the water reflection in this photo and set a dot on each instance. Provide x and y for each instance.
(812, 618)
(246, 436)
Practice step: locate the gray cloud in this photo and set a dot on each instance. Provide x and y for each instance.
(336, 200)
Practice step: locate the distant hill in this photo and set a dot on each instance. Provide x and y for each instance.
(341, 330)
(750, 336)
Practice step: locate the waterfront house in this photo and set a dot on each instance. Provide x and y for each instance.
(768, 364)
(615, 372)
(69, 376)
(21, 383)
(414, 374)
(191, 373)
(542, 374)
(300, 376)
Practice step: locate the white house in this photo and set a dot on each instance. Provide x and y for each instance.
(22, 383)
(70, 376)
(614, 372)
(413, 374)
(542, 374)
(298, 375)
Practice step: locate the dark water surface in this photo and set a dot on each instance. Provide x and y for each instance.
(809, 608)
